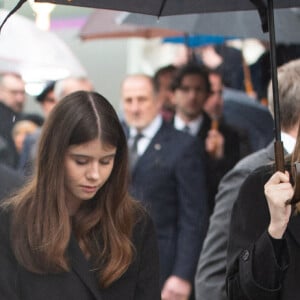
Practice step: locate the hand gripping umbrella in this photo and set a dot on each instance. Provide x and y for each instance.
(267, 19)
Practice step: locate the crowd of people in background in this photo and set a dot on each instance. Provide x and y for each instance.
(172, 166)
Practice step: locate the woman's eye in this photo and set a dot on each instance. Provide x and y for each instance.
(105, 161)
(80, 162)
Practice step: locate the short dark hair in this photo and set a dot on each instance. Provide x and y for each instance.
(48, 88)
(33, 117)
(190, 69)
(160, 72)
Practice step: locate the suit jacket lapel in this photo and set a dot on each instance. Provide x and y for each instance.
(81, 267)
(205, 126)
(156, 144)
(270, 151)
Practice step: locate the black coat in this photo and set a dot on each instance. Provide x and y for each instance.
(7, 120)
(10, 181)
(169, 180)
(217, 168)
(140, 281)
(254, 270)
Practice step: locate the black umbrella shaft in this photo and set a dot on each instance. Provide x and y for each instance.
(278, 146)
(273, 61)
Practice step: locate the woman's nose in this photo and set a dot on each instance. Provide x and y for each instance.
(93, 172)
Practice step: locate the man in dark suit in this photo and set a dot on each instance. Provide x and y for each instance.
(191, 90)
(214, 106)
(168, 177)
(248, 114)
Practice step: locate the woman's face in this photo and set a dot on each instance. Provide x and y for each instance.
(87, 168)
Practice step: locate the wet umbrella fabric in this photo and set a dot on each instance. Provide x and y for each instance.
(240, 24)
(175, 7)
(37, 55)
(172, 7)
(103, 24)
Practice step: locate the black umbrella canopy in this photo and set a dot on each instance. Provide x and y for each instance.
(240, 24)
(181, 7)
(103, 24)
(172, 7)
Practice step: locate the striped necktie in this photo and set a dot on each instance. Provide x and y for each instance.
(133, 151)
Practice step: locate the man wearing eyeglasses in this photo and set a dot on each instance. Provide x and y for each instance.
(12, 100)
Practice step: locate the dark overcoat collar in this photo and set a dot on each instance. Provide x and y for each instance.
(81, 267)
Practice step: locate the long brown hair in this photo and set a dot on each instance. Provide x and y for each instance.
(41, 226)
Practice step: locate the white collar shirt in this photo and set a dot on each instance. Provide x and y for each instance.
(288, 142)
(148, 133)
(193, 125)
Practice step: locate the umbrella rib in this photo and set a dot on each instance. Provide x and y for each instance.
(262, 10)
(163, 4)
(19, 4)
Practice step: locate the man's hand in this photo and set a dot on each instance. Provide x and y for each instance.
(176, 288)
(214, 144)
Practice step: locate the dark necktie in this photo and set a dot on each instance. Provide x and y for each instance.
(133, 151)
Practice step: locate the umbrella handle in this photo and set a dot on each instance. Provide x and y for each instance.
(247, 78)
(279, 156)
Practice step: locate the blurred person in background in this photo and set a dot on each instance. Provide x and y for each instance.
(191, 89)
(48, 98)
(12, 100)
(20, 131)
(162, 83)
(168, 177)
(214, 107)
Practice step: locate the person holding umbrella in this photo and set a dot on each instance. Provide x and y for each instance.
(211, 271)
(263, 247)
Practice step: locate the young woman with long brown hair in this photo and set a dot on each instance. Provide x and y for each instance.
(73, 232)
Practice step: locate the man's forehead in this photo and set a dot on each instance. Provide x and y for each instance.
(11, 79)
(137, 83)
(193, 78)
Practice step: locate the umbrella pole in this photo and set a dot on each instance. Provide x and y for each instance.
(267, 18)
(278, 145)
